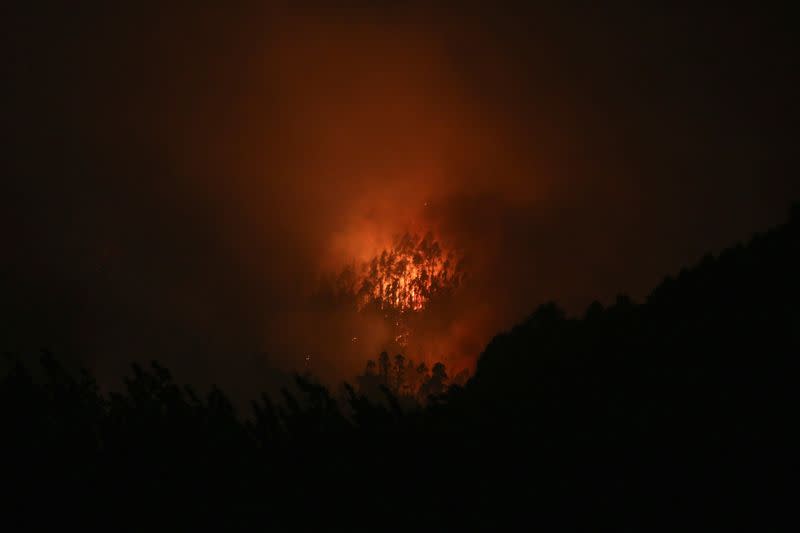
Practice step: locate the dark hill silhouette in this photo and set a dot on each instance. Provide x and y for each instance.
(683, 405)
(676, 413)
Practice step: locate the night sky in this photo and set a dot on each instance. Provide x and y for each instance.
(177, 180)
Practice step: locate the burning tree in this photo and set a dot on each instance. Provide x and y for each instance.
(399, 284)
(403, 280)
(406, 277)
(408, 287)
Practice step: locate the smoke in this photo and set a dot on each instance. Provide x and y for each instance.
(182, 180)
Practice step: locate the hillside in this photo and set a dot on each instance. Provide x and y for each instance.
(682, 406)
(678, 412)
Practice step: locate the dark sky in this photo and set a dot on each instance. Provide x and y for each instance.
(176, 179)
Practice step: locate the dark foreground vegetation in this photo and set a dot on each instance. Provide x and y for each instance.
(677, 413)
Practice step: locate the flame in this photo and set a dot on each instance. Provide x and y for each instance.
(406, 277)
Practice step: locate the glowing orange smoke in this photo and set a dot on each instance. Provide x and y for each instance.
(405, 278)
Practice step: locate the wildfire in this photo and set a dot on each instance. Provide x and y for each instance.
(405, 278)
(398, 284)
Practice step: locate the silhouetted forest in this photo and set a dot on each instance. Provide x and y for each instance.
(676, 413)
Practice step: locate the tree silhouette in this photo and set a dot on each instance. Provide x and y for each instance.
(436, 384)
(385, 368)
(675, 411)
(399, 373)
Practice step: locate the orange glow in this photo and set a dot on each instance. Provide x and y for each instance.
(406, 277)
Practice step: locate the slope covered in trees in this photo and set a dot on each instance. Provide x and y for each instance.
(679, 412)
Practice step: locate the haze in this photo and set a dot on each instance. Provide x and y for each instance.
(177, 181)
